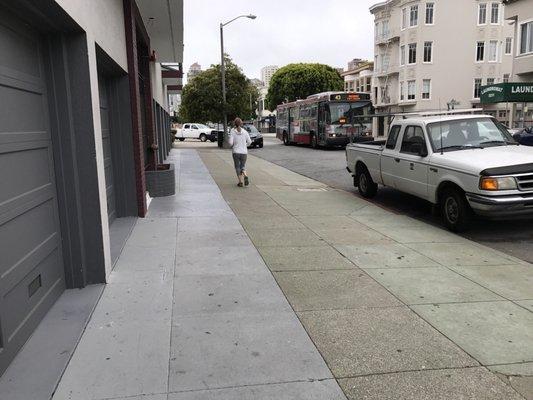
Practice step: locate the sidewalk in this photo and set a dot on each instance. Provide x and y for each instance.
(389, 307)
(192, 311)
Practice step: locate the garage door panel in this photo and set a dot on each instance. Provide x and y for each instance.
(24, 171)
(23, 49)
(10, 113)
(22, 235)
(30, 292)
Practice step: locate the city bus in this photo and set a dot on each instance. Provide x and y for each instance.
(326, 119)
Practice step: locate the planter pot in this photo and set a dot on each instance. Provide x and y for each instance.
(162, 181)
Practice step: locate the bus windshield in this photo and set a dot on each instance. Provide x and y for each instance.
(350, 112)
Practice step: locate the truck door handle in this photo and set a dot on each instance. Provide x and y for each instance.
(397, 159)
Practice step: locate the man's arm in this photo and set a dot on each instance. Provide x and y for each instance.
(230, 139)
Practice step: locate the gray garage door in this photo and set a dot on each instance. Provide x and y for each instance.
(31, 266)
(106, 141)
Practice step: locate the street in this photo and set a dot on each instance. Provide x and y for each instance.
(329, 166)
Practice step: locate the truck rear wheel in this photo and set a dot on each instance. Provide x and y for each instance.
(203, 137)
(455, 210)
(367, 187)
(181, 139)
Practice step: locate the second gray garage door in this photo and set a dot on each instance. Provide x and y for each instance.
(31, 266)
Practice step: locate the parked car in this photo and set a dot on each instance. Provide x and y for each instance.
(524, 136)
(463, 164)
(196, 131)
(255, 135)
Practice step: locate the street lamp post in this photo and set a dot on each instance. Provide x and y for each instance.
(223, 68)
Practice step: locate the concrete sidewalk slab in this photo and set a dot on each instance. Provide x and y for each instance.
(329, 290)
(468, 383)
(215, 294)
(316, 390)
(431, 285)
(349, 236)
(457, 254)
(304, 258)
(418, 234)
(492, 332)
(380, 340)
(287, 237)
(514, 282)
(384, 255)
(232, 349)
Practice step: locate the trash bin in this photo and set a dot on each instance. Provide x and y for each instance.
(220, 139)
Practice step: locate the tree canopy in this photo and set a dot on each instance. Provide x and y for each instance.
(201, 98)
(297, 81)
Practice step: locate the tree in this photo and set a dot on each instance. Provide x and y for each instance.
(297, 81)
(201, 98)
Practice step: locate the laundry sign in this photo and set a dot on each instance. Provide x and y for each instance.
(512, 92)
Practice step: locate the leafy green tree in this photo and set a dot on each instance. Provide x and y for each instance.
(201, 98)
(297, 81)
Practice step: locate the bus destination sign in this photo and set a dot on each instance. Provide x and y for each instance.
(349, 96)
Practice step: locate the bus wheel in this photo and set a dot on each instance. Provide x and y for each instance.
(314, 142)
(285, 139)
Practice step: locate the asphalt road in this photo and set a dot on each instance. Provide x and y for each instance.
(513, 237)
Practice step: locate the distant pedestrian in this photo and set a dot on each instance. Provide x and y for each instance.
(239, 140)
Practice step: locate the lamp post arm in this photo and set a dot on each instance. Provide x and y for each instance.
(230, 21)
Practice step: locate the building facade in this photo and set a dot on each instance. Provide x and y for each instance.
(358, 76)
(520, 14)
(432, 55)
(267, 73)
(83, 118)
(194, 70)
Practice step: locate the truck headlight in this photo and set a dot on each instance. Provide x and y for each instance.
(504, 183)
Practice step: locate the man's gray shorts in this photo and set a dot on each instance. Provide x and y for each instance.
(240, 162)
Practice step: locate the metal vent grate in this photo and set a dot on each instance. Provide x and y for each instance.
(525, 182)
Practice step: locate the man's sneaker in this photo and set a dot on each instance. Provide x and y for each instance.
(246, 181)
(239, 184)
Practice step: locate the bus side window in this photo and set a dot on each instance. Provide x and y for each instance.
(393, 137)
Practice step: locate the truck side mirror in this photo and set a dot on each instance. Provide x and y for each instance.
(420, 149)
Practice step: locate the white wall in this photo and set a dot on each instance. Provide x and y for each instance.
(103, 20)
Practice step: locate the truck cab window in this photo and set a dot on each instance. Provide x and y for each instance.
(393, 137)
(413, 138)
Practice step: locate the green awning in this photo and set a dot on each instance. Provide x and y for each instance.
(512, 92)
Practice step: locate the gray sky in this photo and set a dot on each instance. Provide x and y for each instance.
(285, 31)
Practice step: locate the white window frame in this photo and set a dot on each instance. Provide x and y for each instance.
(432, 13)
(493, 81)
(412, 9)
(401, 91)
(408, 58)
(474, 87)
(479, 14)
(519, 42)
(508, 46)
(428, 92)
(484, 51)
(489, 59)
(402, 55)
(506, 78)
(413, 82)
(498, 8)
(424, 52)
(404, 18)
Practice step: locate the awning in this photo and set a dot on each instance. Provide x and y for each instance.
(512, 92)
(163, 20)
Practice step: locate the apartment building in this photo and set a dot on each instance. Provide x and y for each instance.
(194, 70)
(266, 74)
(83, 121)
(519, 13)
(358, 76)
(437, 54)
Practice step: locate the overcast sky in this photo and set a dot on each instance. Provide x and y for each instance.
(285, 31)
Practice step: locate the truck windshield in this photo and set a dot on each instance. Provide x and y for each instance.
(468, 133)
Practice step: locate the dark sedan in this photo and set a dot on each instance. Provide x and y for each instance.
(255, 135)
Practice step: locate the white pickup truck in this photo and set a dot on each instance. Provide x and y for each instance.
(463, 164)
(196, 131)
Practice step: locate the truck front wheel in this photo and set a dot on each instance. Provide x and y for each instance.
(455, 210)
(367, 187)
